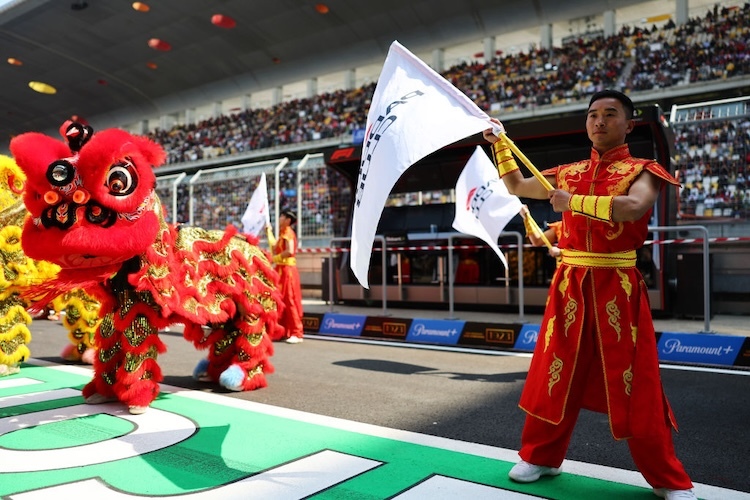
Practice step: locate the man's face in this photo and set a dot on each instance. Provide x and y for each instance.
(607, 124)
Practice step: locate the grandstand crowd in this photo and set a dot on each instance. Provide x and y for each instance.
(712, 159)
(712, 156)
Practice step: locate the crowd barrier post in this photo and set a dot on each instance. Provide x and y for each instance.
(706, 270)
(191, 196)
(299, 168)
(172, 181)
(176, 183)
(277, 192)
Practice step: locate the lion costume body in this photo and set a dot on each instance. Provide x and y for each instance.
(95, 213)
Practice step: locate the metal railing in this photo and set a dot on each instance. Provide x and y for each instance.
(519, 238)
(451, 277)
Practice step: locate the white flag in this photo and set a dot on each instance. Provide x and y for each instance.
(257, 212)
(483, 204)
(414, 112)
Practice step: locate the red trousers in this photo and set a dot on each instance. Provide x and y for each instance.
(291, 289)
(545, 444)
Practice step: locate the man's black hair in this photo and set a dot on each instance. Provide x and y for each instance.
(615, 94)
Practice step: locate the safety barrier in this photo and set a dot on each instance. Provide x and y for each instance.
(673, 347)
(335, 248)
(332, 250)
(328, 250)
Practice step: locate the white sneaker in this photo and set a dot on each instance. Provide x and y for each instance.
(524, 472)
(8, 369)
(675, 494)
(294, 340)
(137, 410)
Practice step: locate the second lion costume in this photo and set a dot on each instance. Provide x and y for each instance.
(95, 213)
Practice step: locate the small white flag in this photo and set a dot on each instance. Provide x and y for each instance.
(483, 204)
(414, 112)
(257, 212)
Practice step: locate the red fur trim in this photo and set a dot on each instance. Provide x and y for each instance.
(135, 390)
(120, 324)
(277, 332)
(98, 386)
(111, 146)
(41, 294)
(33, 152)
(12, 184)
(256, 382)
(234, 281)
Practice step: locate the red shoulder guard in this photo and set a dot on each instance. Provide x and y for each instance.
(661, 173)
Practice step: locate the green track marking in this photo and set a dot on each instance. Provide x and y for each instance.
(196, 445)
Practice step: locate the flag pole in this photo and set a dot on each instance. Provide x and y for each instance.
(535, 227)
(528, 163)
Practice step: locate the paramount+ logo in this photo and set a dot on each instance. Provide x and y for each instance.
(342, 324)
(704, 349)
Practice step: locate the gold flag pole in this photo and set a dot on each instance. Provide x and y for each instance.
(527, 162)
(535, 227)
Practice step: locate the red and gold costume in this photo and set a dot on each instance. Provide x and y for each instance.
(94, 212)
(290, 284)
(597, 346)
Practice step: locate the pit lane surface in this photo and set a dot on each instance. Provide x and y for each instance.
(470, 397)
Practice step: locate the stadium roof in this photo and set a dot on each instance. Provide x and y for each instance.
(95, 53)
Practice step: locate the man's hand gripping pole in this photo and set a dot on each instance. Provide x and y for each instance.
(512, 146)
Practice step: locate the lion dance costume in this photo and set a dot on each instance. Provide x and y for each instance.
(19, 273)
(81, 318)
(95, 213)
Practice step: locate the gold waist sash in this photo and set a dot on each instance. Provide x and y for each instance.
(289, 261)
(577, 258)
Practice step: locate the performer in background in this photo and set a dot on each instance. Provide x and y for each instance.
(597, 345)
(284, 250)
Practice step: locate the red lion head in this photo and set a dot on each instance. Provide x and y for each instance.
(91, 200)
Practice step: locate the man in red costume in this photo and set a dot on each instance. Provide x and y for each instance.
(284, 250)
(597, 345)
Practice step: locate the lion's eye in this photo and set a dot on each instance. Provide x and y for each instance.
(121, 179)
(60, 173)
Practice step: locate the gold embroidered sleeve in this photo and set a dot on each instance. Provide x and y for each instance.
(596, 207)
